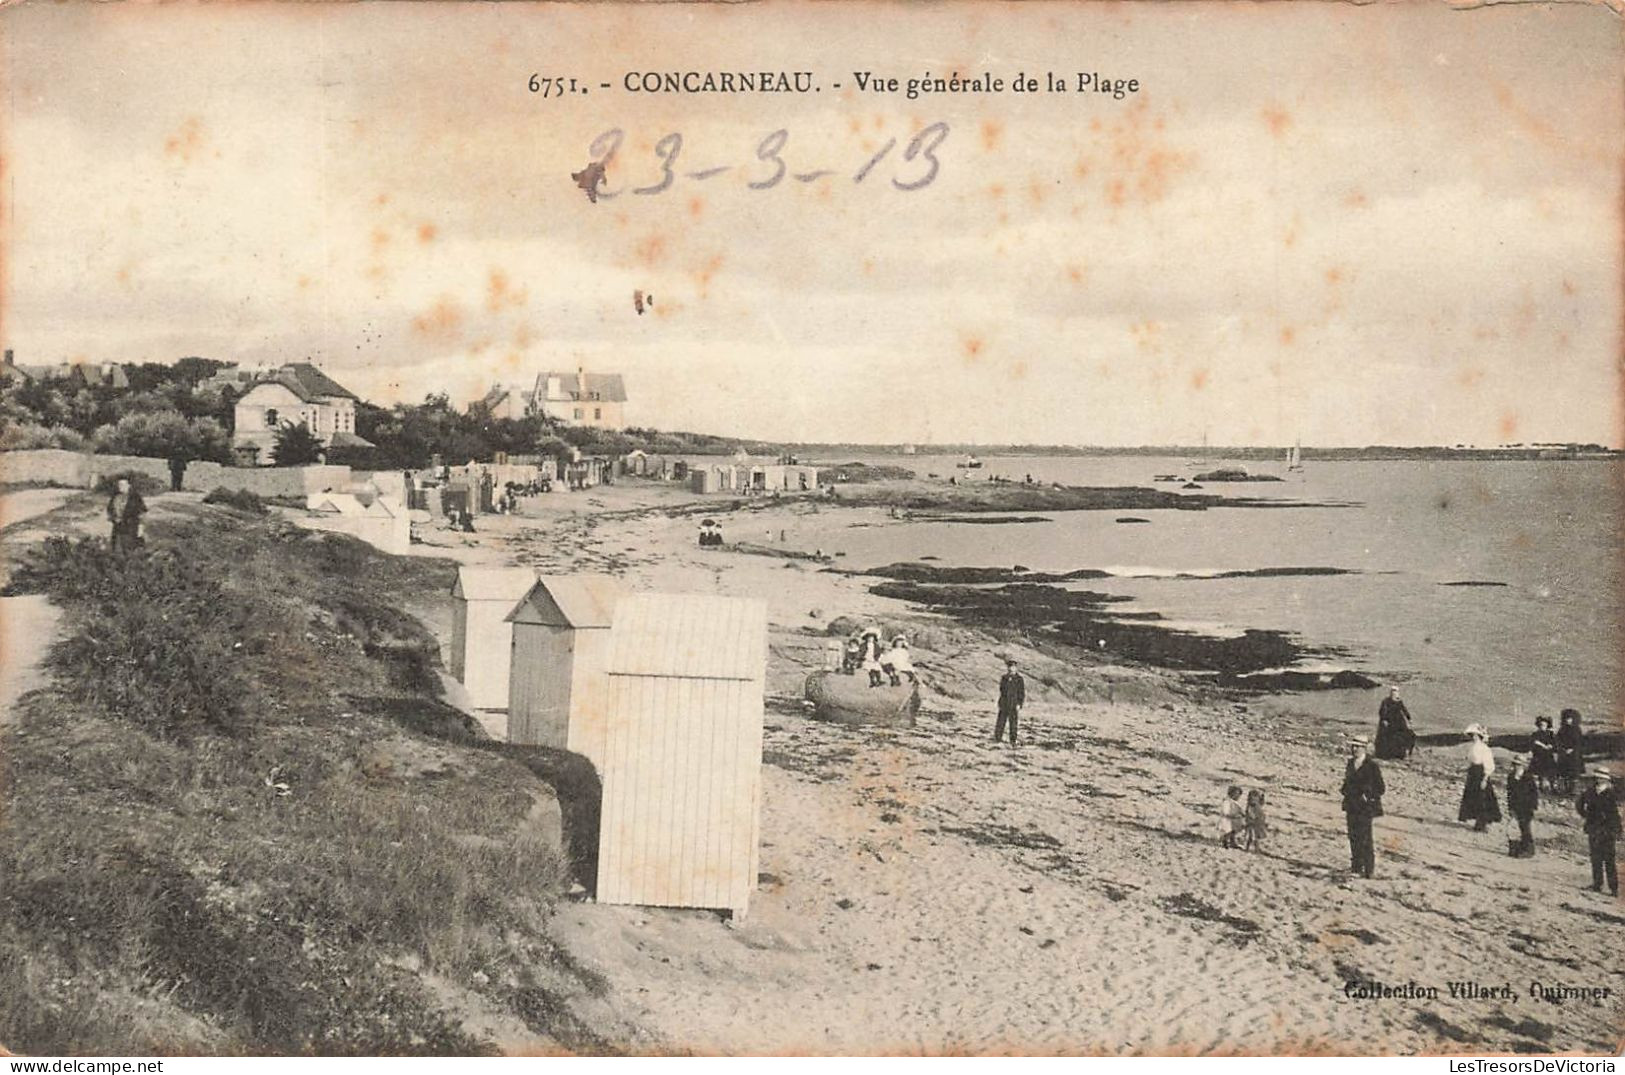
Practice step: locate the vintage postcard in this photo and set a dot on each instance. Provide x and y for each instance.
(861, 528)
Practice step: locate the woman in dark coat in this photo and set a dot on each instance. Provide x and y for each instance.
(1570, 753)
(1543, 753)
(1478, 802)
(124, 510)
(1395, 739)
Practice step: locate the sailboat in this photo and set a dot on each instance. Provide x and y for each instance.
(1294, 457)
(1202, 462)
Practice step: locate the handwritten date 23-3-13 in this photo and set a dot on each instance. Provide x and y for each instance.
(918, 164)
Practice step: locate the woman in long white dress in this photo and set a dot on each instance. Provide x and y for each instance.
(1478, 802)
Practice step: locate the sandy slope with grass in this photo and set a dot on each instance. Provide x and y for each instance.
(235, 818)
(925, 891)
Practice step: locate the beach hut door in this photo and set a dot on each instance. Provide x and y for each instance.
(541, 674)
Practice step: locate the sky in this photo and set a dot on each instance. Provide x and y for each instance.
(1319, 223)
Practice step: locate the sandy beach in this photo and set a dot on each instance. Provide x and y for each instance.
(927, 891)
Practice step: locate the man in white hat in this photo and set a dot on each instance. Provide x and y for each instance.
(1599, 806)
(1362, 801)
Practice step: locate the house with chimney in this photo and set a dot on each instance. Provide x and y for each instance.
(575, 399)
(293, 394)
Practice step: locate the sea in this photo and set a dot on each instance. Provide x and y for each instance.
(1536, 629)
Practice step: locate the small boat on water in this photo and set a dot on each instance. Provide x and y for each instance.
(1294, 458)
(971, 463)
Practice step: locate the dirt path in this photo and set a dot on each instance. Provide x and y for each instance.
(28, 624)
(21, 505)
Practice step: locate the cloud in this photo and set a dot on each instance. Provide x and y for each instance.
(1366, 234)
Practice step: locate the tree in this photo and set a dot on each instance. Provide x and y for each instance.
(550, 445)
(296, 446)
(165, 435)
(190, 370)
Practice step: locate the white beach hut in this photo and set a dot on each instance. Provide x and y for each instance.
(388, 526)
(481, 637)
(681, 769)
(558, 685)
(328, 502)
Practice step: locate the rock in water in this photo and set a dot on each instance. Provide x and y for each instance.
(850, 700)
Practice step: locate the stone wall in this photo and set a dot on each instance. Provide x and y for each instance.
(296, 482)
(75, 470)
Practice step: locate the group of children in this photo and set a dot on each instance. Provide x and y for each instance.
(1555, 757)
(863, 653)
(1242, 826)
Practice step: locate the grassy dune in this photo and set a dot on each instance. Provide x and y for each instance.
(241, 821)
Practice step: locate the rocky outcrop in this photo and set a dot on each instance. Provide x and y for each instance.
(850, 700)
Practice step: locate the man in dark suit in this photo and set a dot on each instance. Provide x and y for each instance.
(1012, 695)
(1599, 806)
(1523, 799)
(1362, 801)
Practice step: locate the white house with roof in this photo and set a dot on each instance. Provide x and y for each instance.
(508, 401)
(294, 394)
(576, 399)
(582, 398)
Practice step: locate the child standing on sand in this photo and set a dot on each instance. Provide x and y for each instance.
(1257, 827)
(1232, 817)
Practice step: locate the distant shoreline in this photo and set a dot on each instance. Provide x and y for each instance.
(1375, 453)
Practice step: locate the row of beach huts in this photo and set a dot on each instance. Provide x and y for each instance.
(662, 693)
(462, 486)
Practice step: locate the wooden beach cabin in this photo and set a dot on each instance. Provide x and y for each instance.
(557, 688)
(481, 636)
(681, 770)
(388, 526)
(328, 502)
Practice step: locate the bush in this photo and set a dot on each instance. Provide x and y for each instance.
(241, 499)
(141, 482)
(24, 436)
(260, 892)
(296, 446)
(156, 646)
(388, 635)
(165, 434)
